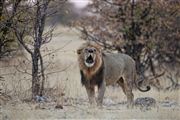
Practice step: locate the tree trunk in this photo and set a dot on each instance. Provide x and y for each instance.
(42, 74)
(35, 76)
(38, 77)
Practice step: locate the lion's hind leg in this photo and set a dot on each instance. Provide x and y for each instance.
(127, 88)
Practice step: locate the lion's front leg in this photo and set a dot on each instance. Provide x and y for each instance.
(91, 95)
(101, 91)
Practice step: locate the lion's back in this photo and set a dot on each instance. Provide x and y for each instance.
(118, 60)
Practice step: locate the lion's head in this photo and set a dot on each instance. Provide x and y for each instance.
(89, 58)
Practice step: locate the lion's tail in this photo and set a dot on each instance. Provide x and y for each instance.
(138, 84)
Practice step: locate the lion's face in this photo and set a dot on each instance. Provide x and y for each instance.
(89, 55)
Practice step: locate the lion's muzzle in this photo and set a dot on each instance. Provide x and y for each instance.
(89, 59)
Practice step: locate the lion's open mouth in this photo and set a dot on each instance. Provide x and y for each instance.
(89, 59)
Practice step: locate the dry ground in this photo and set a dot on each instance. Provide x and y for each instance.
(64, 89)
(78, 109)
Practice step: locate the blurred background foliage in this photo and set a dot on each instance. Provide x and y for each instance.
(147, 30)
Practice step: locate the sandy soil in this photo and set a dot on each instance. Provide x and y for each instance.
(63, 77)
(79, 109)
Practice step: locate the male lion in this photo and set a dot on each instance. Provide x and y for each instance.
(99, 69)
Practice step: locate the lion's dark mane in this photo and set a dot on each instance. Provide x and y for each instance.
(96, 79)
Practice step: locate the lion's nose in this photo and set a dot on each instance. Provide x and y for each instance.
(90, 51)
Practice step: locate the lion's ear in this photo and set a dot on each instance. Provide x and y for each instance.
(79, 51)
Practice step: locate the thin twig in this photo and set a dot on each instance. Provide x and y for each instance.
(57, 49)
(58, 70)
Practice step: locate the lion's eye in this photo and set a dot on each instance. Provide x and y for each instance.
(85, 49)
(93, 49)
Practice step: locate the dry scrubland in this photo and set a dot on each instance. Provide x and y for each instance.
(63, 88)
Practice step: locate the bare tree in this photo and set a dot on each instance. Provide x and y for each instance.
(33, 25)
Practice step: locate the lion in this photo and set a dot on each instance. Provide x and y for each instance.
(98, 68)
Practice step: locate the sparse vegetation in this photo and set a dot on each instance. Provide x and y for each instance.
(38, 57)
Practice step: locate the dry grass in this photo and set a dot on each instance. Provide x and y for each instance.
(63, 87)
